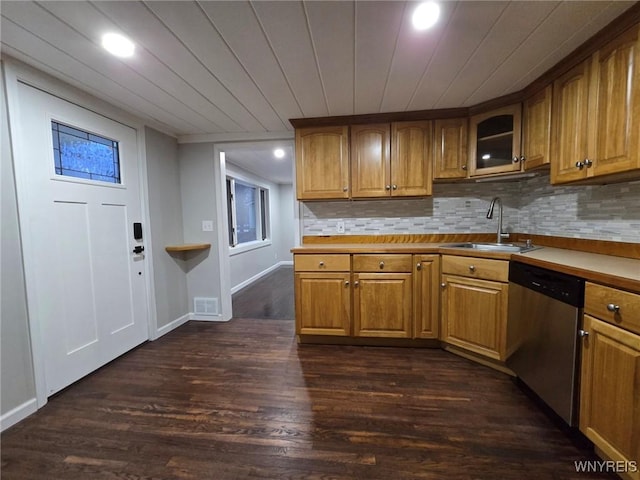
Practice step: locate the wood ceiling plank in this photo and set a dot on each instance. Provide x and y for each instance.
(187, 21)
(377, 28)
(571, 24)
(238, 26)
(332, 31)
(151, 34)
(285, 25)
(114, 82)
(470, 24)
(509, 31)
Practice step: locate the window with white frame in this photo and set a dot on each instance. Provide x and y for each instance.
(247, 212)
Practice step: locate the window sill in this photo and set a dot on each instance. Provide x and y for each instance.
(247, 247)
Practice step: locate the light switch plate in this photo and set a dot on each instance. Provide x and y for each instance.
(207, 225)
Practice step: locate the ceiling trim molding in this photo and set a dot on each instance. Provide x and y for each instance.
(388, 117)
(236, 137)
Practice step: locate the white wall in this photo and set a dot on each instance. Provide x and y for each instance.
(247, 266)
(165, 212)
(16, 369)
(198, 193)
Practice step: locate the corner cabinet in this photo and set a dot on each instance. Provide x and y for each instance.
(451, 156)
(391, 160)
(323, 294)
(474, 305)
(536, 130)
(610, 376)
(494, 141)
(596, 116)
(322, 163)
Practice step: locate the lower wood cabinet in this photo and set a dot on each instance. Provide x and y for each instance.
(610, 375)
(426, 296)
(474, 305)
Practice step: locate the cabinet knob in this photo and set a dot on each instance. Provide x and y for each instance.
(587, 162)
(613, 308)
(472, 268)
(443, 284)
(381, 265)
(516, 159)
(580, 165)
(523, 158)
(418, 266)
(346, 284)
(356, 283)
(321, 264)
(583, 333)
(464, 167)
(395, 187)
(387, 187)
(345, 189)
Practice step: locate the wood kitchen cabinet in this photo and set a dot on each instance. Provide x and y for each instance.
(322, 163)
(474, 305)
(450, 153)
(322, 294)
(610, 373)
(426, 296)
(391, 160)
(494, 141)
(536, 130)
(596, 115)
(382, 296)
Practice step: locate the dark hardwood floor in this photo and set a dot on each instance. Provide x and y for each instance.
(268, 298)
(241, 400)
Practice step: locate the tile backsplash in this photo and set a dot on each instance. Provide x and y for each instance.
(601, 212)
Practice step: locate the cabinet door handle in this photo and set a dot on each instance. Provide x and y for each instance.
(381, 265)
(395, 187)
(418, 266)
(443, 284)
(580, 165)
(472, 268)
(516, 159)
(583, 333)
(345, 189)
(346, 284)
(523, 158)
(356, 283)
(612, 307)
(587, 162)
(464, 167)
(321, 264)
(387, 187)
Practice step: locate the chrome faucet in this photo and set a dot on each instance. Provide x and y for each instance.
(500, 235)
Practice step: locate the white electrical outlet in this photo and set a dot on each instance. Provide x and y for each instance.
(207, 225)
(340, 227)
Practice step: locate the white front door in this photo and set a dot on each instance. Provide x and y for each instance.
(85, 285)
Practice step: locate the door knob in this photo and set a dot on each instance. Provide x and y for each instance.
(138, 249)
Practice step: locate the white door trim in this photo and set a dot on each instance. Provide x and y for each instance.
(14, 73)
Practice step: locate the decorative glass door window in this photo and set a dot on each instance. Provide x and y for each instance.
(82, 154)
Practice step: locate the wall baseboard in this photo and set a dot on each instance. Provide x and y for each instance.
(258, 276)
(207, 318)
(172, 325)
(18, 414)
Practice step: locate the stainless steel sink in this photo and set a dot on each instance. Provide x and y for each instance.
(493, 247)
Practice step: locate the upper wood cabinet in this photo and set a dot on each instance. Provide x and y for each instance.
(596, 115)
(536, 130)
(450, 154)
(322, 163)
(391, 160)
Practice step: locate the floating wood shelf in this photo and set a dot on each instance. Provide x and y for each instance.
(187, 247)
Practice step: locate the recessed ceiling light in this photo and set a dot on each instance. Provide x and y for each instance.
(425, 15)
(118, 45)
(278, 153)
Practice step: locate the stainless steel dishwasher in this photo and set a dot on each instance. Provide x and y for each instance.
(545, 315)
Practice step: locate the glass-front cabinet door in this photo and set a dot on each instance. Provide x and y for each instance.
(494, 141)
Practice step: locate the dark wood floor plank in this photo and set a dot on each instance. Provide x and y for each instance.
(241, 400)
(271, 297)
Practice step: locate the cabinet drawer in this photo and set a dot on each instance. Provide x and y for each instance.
(322, 262)
(613, 306)
(473, 267)
(382, 263)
